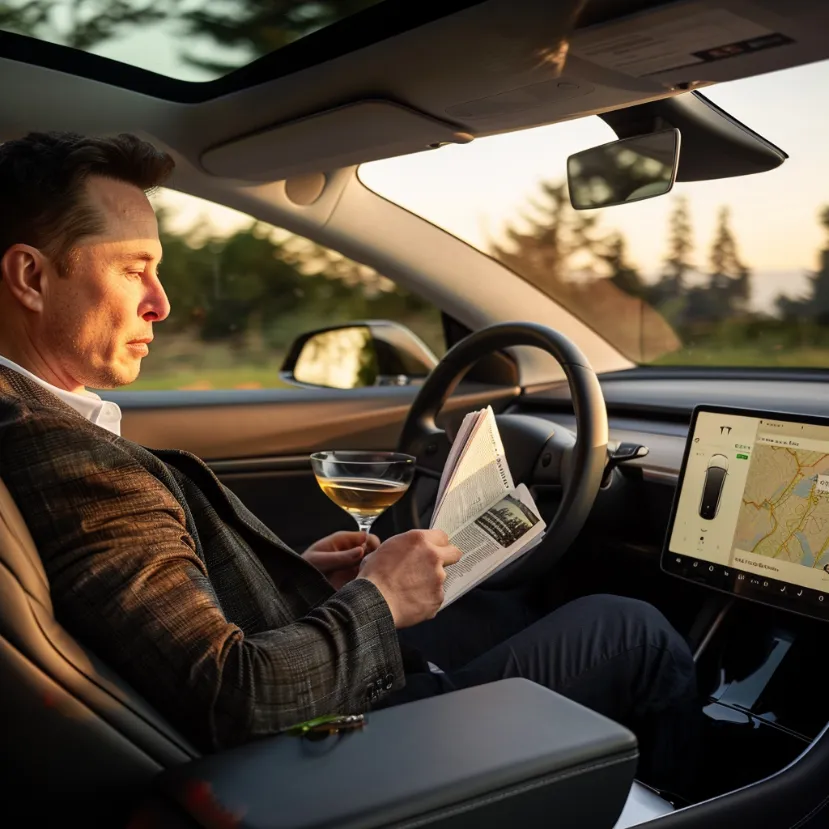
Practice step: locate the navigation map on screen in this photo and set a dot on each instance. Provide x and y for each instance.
(755, 497)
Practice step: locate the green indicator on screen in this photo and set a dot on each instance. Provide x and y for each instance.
(742, 457)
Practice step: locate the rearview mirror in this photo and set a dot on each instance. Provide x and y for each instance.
(624, 171)
(358, 354)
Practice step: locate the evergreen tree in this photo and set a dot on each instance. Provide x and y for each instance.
(621, 272)
(670, 294)
(564, 253)
(730, 278)
(679, 261)
(815, 305)
(557, 242)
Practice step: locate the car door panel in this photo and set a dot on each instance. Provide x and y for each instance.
(258, 441)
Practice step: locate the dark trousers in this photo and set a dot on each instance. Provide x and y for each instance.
(617, 656)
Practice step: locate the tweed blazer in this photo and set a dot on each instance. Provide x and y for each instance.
(164, 574)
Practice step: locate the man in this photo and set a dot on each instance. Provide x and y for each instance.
(161, 570)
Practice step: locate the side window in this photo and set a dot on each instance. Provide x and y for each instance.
(242, 291)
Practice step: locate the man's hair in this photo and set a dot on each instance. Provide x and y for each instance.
(42, 186)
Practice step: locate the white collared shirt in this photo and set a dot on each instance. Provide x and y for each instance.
(87, 404)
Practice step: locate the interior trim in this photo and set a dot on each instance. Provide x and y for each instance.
(273, 463)
(660, 476)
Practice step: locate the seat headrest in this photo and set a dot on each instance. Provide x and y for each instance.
(18, 552)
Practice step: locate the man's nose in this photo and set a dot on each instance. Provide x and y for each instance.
(157, 306)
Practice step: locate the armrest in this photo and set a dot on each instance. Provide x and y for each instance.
(510, 753)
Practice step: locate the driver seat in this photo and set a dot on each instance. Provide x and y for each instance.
(71, 728)
(78, 740)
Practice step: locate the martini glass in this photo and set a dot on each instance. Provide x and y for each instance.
(364, 484)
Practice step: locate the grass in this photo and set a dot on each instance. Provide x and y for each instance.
(748, 356)
(237, 377)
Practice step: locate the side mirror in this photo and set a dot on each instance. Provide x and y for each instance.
(358, 354)
(624, 171)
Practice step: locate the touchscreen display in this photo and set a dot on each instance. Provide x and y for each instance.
(751, 515)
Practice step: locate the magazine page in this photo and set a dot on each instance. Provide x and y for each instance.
(461, 439)
(480, 478)
(498, 535)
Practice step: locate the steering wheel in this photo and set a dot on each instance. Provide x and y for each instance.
(539, 452)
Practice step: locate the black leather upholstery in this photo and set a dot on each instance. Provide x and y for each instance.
(506, 754)
(70, 727)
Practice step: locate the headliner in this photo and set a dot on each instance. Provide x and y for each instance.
(436, 73)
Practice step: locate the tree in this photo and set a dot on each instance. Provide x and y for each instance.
(670, 293)
(546, 253)
(679, 262)
(566, 255)
(257, 287)
(81, 24)
(263, 26)
(730, 278)
(621, 272)
(815, 305)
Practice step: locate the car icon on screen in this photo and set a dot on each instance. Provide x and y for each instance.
(712, 487)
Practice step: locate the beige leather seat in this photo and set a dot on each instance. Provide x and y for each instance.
(77, 741)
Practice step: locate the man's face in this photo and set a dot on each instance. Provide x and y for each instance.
(98, 318)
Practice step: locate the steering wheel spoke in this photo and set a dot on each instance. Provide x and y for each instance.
(431, 448)
(554, 464)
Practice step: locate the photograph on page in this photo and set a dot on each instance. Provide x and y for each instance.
(508, 521)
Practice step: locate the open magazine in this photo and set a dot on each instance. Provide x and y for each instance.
(490, 520)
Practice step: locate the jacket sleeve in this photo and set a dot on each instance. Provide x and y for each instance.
(127, 582)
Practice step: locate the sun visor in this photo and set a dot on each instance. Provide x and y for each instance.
(689, 44)
(350, 134)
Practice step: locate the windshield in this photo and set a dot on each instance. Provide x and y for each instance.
(733, 272)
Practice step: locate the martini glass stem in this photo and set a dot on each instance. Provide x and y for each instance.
(364, 522)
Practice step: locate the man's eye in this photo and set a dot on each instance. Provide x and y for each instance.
(135, 274)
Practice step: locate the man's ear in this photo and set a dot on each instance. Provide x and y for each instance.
(22, 272)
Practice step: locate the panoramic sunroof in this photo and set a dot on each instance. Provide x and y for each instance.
(190, 40)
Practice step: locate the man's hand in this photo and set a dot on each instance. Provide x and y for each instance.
(408, 570)
(338, 556)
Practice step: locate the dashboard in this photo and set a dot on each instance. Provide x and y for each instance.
(655, 409)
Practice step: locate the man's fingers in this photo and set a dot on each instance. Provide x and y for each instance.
(329, 560)
(450, 554)
(349, 539)
(436, 537)
(372, 542)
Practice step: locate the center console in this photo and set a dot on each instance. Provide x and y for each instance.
(750, 520)
(510, 753)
